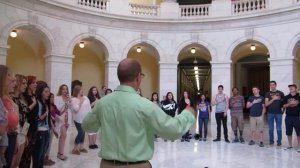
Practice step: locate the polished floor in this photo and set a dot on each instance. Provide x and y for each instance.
(197, 154)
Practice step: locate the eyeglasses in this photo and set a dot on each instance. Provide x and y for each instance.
(142, 75)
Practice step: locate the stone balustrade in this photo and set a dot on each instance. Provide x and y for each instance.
(98, 4)
(144, 10)
(194, 10)
(245, 6)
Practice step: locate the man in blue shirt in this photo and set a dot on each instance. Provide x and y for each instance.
(256, 103)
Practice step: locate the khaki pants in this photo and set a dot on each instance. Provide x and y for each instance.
(106, 164)
(237, 121)
(257, 123)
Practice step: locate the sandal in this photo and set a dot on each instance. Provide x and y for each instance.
(61, 156)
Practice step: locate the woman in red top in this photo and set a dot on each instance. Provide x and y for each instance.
(12, 114)
(3, 113)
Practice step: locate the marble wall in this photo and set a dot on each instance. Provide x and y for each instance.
(62, 29)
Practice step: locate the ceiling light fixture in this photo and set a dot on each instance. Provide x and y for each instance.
(81, 44)
(138, 49)
(195, 68)
(252, 48)
(193, 50)
(13, 33)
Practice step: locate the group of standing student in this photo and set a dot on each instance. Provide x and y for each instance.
(24, 120)
(30, 116)
(274, 104)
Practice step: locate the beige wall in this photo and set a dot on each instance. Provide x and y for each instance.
(88, 67)
(22, 59)
(150, 82)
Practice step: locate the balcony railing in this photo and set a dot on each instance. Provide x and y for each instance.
(245, 6)
(194, 10)
(98, 4)
(144, 10)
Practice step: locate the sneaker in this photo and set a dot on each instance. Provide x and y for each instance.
(48, 162)
(83, 150)
(200, 139)
(278, 144)
(242, 140)
(226, 140)
(75, 152)
(235, 140)
(204, 139)
(261, 144)
(61, 156)
(187, 140)
(271, 143)
(216, 140)
(91, 147)
(288, 148)
(251, 142)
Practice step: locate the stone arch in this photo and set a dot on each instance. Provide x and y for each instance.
(292, 46)
(259, 39)
(151, 43)
(212, 51)
(108, 49)
(46, 34)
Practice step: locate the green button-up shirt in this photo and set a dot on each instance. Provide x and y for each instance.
(128, 123)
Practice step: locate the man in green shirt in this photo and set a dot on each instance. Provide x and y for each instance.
(128, 122)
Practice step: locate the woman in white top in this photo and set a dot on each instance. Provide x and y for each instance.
(63, 104)
(81, 107)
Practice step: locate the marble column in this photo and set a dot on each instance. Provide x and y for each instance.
(220, 75)
(167, 78)
(3, 53)
(282, 70)
(58, 71)
(111, 76)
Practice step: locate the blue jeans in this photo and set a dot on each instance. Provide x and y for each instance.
(9, 153)
(278, 119)
(81, 134)
(203, 121)
(40, 149)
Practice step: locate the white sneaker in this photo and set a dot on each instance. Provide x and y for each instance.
(288, 148)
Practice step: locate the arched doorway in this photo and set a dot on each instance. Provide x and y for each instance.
(251, 67)
(27, 50)
(296, 70)
(89, 63)
(194, 71)
(148, 57)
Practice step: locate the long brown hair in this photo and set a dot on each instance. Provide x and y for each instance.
(3, 75)
(90, 94)
(19, 79)
(76, 91)
(60, 89)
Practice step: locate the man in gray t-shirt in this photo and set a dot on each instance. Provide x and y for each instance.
(221, 102)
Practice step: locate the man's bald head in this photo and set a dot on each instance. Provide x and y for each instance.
(128, 69)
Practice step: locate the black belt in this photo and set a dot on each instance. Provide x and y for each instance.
(117, 162)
